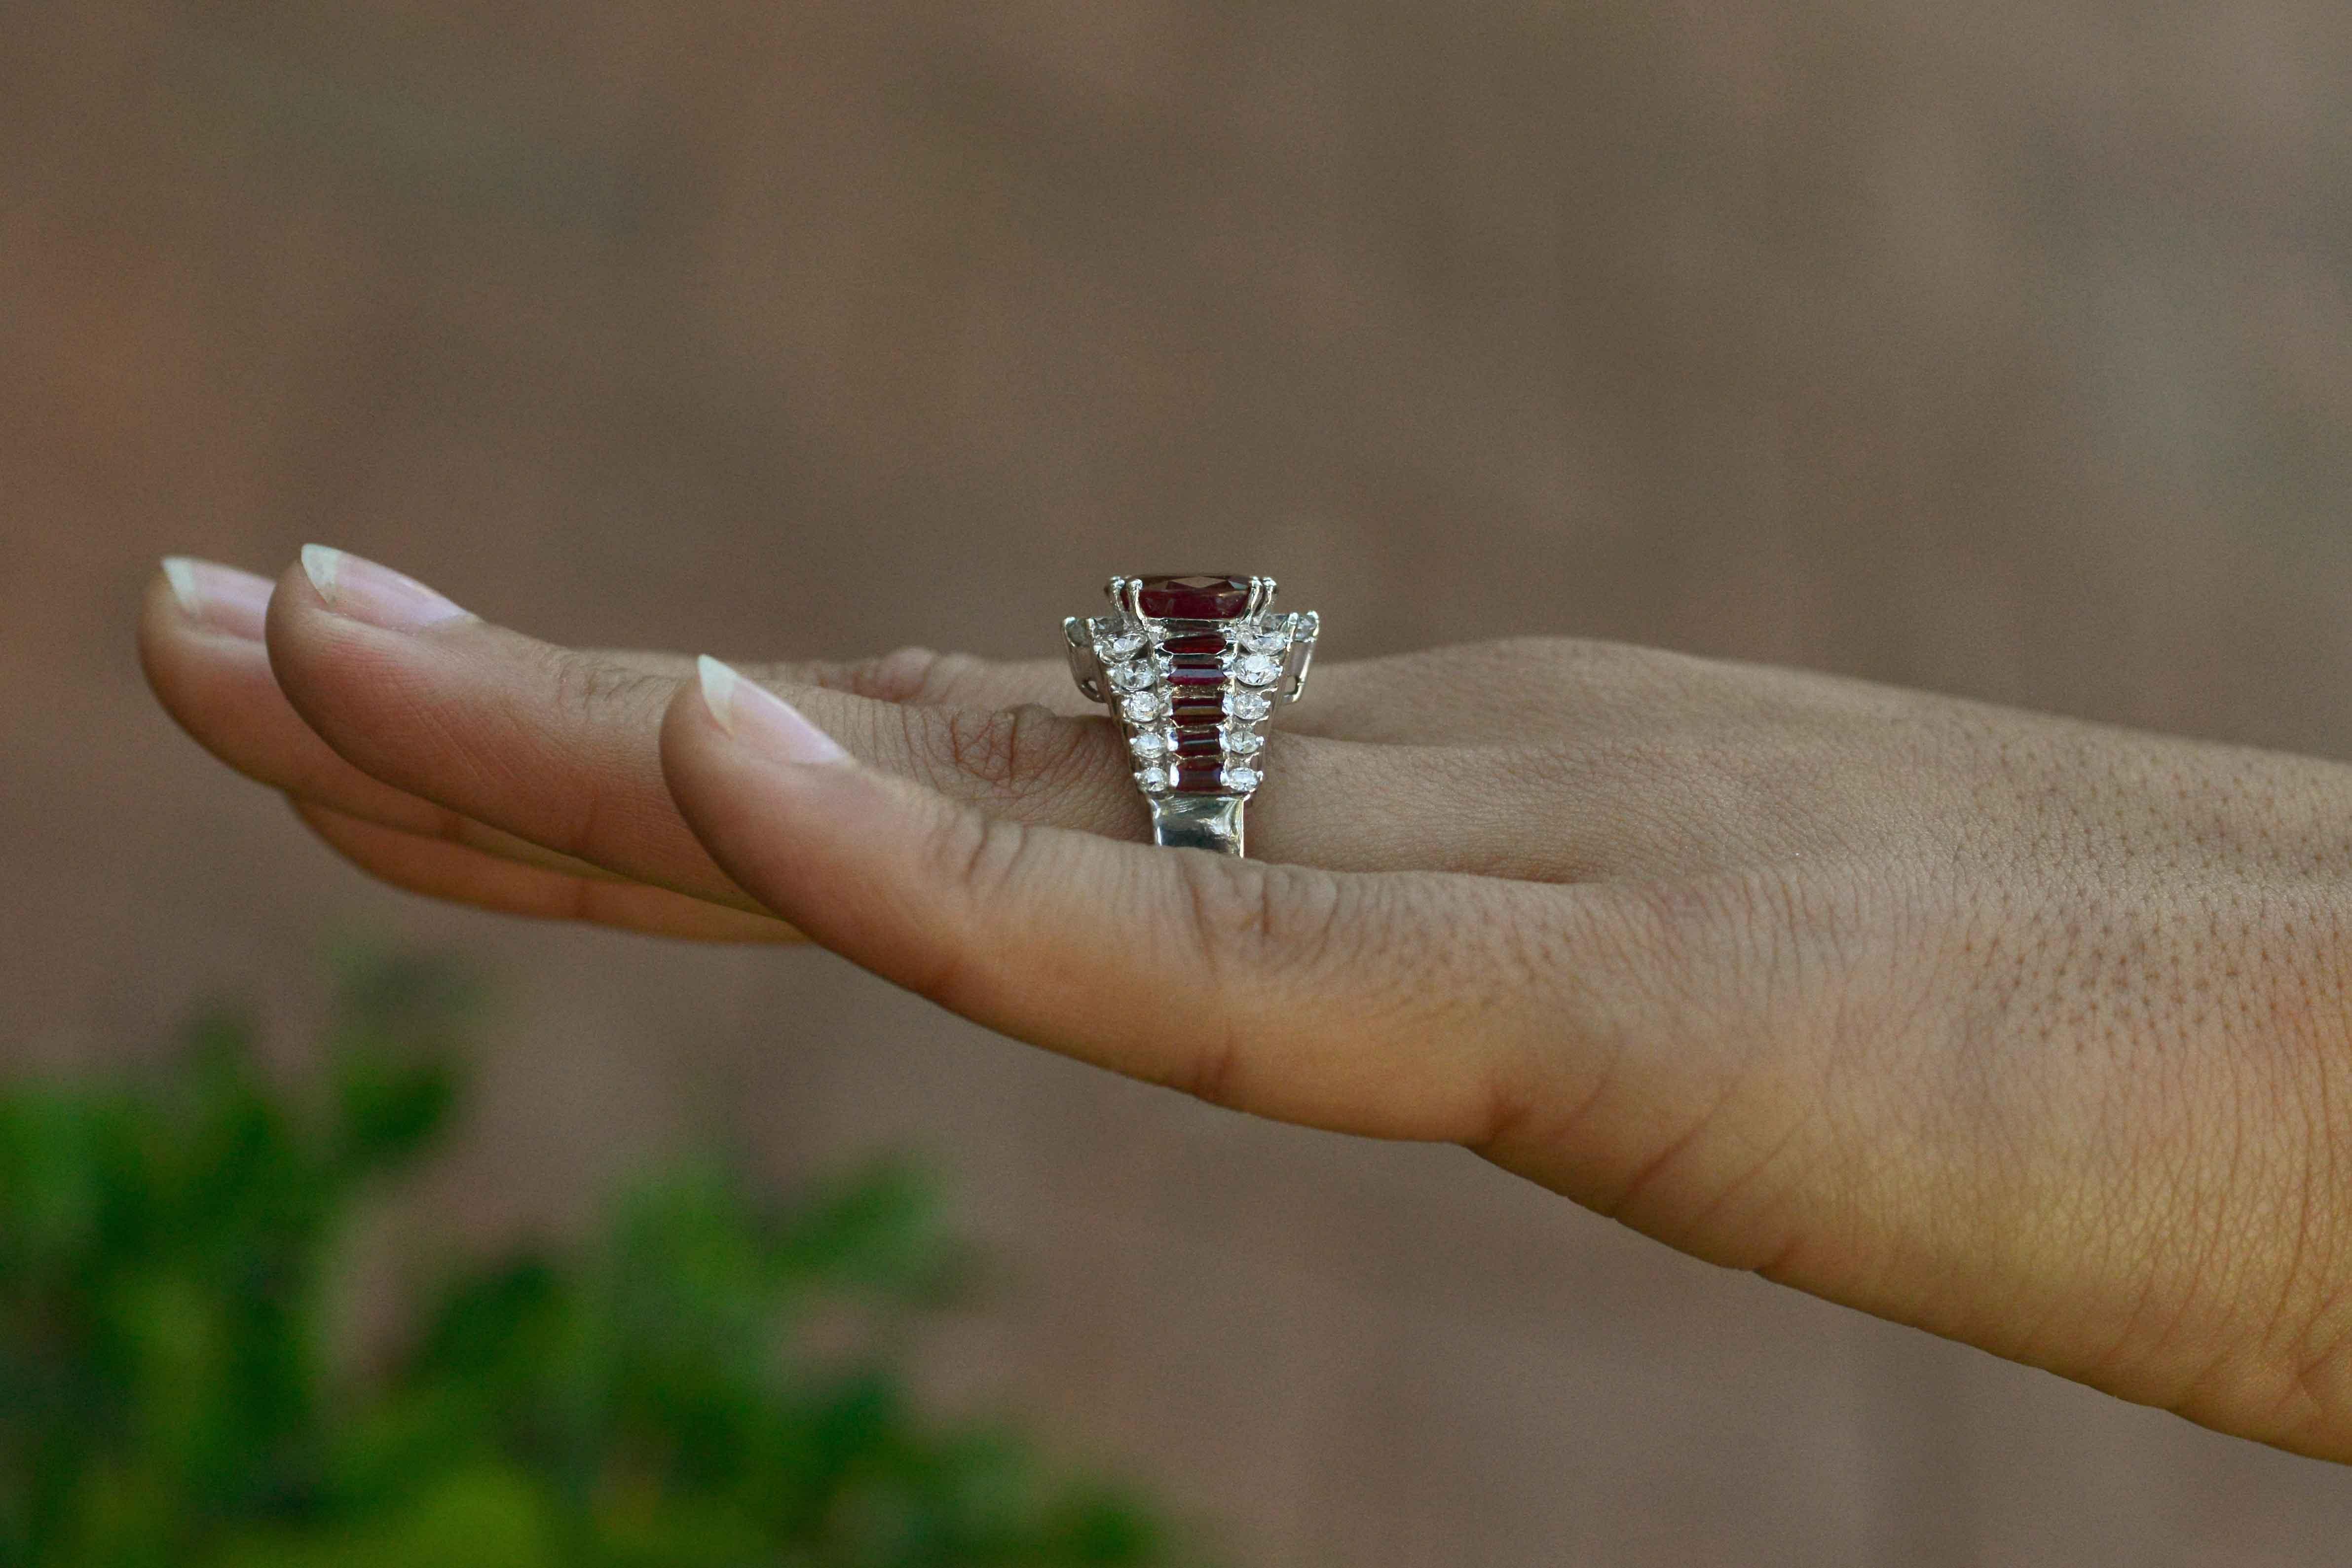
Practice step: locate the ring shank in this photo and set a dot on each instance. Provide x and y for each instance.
(1211, 822)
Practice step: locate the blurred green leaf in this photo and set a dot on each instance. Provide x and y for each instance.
(709, 1383)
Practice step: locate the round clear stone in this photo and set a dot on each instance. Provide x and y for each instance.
(1248, 705)
(1149, 744)
(1271, 639)
(1141, 707)
(1137, 676)
(1243, 780)
(1153, 778)
(1240, 741)
(1120, 644)
(1255, 669)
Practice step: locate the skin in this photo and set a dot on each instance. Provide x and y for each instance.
(2031, 1033)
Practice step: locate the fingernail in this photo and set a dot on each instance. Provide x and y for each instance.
(219, 598)
(379, 595)
(762, 720)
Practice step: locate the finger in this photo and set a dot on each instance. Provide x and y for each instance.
(918, 677)
(560, 748)
(1587, 1038)
(453, 872)
(200, 632)
(1396, 1005)
(200, 642)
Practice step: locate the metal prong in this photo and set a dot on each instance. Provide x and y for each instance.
(1086, 664)
(1134, 605)
(1261, 590)
(1114, 589)
(1302, 631)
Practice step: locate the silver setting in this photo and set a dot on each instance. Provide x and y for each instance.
(1303, 630)
(1121, 660)
(1211, 822)
(1086, 664)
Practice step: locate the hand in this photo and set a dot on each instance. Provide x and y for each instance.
(473, 763)
(2028, 1032)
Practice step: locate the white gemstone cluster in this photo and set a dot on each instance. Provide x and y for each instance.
(1129, 652)
(1253, 663)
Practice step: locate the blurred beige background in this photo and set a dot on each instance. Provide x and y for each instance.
(2002, 349)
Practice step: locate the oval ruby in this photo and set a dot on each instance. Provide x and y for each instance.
(1194, 598)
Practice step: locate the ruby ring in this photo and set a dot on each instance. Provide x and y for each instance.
(1191, 667)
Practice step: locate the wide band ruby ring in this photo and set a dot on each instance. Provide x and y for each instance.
(1192, 667)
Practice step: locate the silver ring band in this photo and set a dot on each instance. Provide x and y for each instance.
(1211, 822)
(1191, 667)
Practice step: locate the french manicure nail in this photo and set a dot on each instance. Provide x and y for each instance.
(762, 720)
(379, 595)
(219, 598)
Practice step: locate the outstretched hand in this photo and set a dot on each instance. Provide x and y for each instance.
(2029, 1032)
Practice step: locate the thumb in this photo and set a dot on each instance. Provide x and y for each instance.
(1365, 1004)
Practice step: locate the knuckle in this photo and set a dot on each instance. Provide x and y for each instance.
(981, 856)
(1211, 1072)
(592, 687)
(1226, 913)
(1007, 751)
(983, 746)
(974, 852)
(1244, 917)
(911, 674)
(950, 676)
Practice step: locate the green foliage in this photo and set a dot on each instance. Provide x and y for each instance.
(166, 1259)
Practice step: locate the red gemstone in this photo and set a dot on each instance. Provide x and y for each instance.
(1191, 743)
(1196, 598)
(1202, 776)
(1211, 643)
